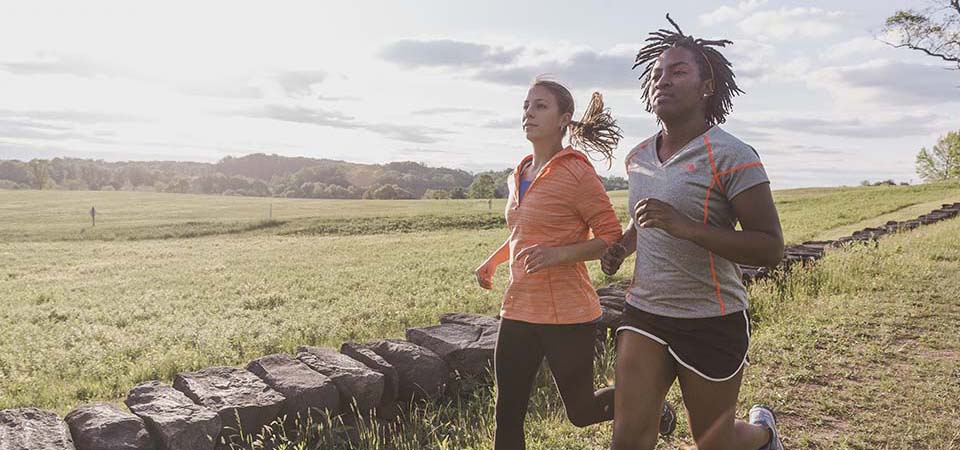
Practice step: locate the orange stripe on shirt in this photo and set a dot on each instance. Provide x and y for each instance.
(706, 216)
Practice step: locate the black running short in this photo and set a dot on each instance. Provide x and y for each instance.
(714, 348)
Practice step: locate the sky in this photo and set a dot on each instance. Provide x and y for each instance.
(442, 81)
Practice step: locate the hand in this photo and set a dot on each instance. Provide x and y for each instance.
(612, 258)
(538, 257)
(485, 274)
(653, 213)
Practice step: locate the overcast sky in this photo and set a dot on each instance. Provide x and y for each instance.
(442, 82)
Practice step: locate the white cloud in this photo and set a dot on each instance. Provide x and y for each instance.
(791, 23)
(886, 82)
(578, 66)
(726, 13)
(858, 47)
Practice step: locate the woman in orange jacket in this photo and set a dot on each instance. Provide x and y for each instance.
(550, 308)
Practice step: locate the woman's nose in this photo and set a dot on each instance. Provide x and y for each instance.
(662, 81)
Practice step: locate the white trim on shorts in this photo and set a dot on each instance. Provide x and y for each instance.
(682, 362)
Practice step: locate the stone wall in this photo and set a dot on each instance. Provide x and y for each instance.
(200, 410)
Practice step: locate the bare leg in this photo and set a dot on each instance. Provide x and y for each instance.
(711, 406)
(645, 371)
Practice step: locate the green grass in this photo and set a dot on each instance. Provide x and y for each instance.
(65, 215)
(85, 317)
(852, 353)
(806, 214)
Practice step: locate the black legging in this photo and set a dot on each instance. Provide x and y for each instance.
(569, 350)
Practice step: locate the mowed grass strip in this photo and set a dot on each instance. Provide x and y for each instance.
(65, 215)
(817, 213)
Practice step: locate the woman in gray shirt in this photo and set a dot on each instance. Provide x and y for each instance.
(686, 314)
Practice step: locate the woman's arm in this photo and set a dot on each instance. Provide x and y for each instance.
(501, 254)
(538, 257)
(613, 256)
(488, 268)
(759, 244)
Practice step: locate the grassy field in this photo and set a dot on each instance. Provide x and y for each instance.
(86, 316)
(853, 353)
(65, 215)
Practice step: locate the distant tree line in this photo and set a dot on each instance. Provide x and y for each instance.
(263, 175)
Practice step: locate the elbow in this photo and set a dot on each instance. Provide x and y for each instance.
(774, 256)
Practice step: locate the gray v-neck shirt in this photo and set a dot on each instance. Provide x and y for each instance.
(676, 277)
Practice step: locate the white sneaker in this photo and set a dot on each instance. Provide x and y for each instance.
(763, 415)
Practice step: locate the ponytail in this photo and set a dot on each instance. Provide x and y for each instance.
(597, 130)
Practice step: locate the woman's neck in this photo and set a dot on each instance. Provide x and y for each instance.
(677, 134)
(544, 151)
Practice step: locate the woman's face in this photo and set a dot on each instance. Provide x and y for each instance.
(677, 89)
(542, 119)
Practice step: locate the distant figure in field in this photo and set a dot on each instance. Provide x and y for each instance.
(686, 314)
(550, 308)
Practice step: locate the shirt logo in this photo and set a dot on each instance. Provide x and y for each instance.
(691, 167)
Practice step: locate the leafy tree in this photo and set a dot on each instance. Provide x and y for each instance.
(482, 187)
(436, 194)
(15, 171)
(942, 162)
(934, 30)
(38, 167)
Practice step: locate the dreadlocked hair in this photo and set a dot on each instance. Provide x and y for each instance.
(596, 132)
(710, 61)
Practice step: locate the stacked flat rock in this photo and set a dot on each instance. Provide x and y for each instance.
(355, 381)
(465, 343)
(423, 374)
(175, 421)
(308, 392)
(232, 392)
(749, 274)
(33, 429)
(391, 380)
(105, 426)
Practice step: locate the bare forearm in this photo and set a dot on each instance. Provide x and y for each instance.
(501, 254)
(754, 248)
(629, 238)
(582, 251)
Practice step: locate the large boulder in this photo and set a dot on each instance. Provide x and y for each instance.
(423, 374)
(232, 393)
(486, 322)
(308, 392)
(33, 429)
(463, 347)
(355, 381)
(105, 426)
(174, 421)
(391, 380)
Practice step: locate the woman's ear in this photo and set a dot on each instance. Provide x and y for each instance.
(565, 120)
(709, 88)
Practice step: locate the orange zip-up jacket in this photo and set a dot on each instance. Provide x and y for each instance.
(562, 205)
